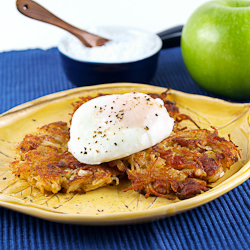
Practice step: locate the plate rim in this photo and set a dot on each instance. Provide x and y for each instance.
(63, 93)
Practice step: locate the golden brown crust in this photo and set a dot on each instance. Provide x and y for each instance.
(46, 163)
(182, 165)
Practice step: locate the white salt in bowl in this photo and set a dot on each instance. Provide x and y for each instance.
(131, 55)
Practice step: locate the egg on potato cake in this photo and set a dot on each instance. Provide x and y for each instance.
(133, 136)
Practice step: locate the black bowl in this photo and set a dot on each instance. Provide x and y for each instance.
(88, 73)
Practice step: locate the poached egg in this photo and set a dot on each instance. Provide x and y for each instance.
(110, 127)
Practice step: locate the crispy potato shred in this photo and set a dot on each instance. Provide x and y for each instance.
(46, 163)
(181, 166)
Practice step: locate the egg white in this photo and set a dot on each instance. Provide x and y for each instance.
(115, 126)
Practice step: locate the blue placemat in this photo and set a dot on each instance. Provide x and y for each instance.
(220, 224)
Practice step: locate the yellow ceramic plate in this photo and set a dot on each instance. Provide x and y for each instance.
(110, 205)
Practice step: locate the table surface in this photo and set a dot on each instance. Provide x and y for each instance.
(35, 70)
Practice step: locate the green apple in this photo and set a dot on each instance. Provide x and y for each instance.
(215, 46)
